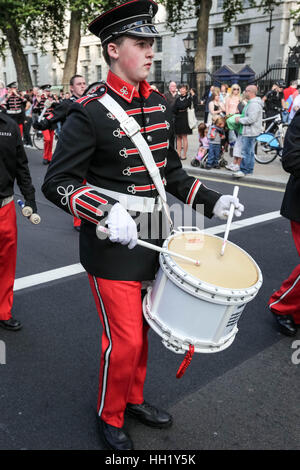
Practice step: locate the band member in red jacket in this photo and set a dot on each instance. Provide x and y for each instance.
(96, 147)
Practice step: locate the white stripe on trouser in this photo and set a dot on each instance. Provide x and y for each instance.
(108, 351)
(285, 293)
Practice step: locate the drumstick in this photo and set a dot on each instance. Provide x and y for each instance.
(230, 215)
(28, 212)
(102, 229)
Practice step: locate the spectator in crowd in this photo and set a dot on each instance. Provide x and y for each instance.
(182, 129)
(224, 93)
(295, 106)
(233, 100)
(172, 94)
(205, 100)
(216, 107)
(3, 91)
(289, 94)
(252, 126)
(274, 100)
(216, 138)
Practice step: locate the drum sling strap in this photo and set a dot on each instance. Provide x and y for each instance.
(132, 129)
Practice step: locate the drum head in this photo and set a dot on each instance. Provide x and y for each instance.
(234, 270)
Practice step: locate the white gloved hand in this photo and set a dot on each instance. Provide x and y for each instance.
(121, 226)
(222, 206)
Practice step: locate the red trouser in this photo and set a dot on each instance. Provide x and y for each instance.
(8, 257)
(48, 143)
(124, 347)
(286, 301)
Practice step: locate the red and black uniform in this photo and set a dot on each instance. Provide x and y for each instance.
(15, 108)
(286, 300)
(48, 133)
(93, 147)
(13, 166)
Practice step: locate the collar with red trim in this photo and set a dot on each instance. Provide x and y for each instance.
(126, 90)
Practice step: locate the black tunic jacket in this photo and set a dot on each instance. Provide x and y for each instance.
(92, 147)
(291, 163)
(13, 160)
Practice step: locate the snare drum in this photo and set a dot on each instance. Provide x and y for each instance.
(200, 305)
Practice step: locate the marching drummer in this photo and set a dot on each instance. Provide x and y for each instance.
(97, 148)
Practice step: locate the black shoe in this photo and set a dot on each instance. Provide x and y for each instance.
(11, 324)
(286, 324)
(77, 228)
(150, 415)
(114, 438)
(45, 162)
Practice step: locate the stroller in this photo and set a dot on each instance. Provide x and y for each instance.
(202, 163)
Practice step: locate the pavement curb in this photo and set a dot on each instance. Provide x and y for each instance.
(227, 175)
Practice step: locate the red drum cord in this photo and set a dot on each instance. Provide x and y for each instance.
(186, 361)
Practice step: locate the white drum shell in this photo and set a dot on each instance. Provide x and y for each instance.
(184, 310)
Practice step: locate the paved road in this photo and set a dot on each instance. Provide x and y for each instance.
(246, 397)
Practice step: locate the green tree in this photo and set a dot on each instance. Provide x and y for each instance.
(38, 19)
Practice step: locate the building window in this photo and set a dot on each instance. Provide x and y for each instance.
(157, 70)
(85, 73)
(218, 36)
(5, 78)
(216, 62)
(220, 4)
(99, 72)
(87, 53)
(195, 38)
(99, 50)
(4, 61)
(26, 57)
(244, 33)
(158, 42)
(35, 58)
(239, 59)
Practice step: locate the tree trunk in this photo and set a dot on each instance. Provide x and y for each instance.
(73, 48)
(23, 74)
(202, 35)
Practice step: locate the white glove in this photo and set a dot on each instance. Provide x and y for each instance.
(121, 226)
(222, 206)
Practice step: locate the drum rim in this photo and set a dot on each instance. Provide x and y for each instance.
(167, 260)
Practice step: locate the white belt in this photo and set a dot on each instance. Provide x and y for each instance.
(130, 202)
(6, 201)
(14, 112)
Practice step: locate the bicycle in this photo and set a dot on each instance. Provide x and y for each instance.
(270, 145)
(37, 139)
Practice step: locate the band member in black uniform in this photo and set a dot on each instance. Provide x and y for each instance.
(13, 167)
(60, 111)
(15, 105)
(44, 107)
(59, 114)
(95, 146)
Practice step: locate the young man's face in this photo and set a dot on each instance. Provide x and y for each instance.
(78, 87)
(132, 59)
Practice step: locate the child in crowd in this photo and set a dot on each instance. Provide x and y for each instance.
(216, 138)
(203, 140)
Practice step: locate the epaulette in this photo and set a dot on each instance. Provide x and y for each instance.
(95, 91)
